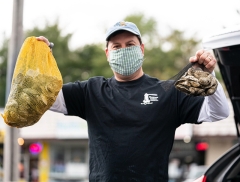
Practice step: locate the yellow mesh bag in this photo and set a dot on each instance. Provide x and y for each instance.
(35, 84)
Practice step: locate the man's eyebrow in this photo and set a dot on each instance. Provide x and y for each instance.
(125, 42)
(131, 41)
(115, 43)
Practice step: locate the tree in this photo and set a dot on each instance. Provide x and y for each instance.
(61, 51)
(3, 70)
(147, 26)
(90, 61)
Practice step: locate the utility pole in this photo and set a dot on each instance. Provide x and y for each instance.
(11, 148)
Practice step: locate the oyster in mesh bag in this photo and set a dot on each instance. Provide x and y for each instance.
(197, 82)
(31, 95)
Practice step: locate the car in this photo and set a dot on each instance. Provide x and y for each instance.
(226, 49)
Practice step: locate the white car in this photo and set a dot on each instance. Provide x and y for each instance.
(226, 48)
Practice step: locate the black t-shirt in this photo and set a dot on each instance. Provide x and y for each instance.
(131, 125)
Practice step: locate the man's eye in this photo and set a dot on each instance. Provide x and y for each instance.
(116, 47)
(130, 45)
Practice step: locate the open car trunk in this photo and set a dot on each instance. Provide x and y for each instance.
(226, 49)
(228, 60)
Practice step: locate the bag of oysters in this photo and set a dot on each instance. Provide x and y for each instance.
(35, 84)
(197, 82)
(193, 80)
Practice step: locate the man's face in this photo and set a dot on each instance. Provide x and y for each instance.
(123, 40)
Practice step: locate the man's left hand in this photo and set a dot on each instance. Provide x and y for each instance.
(205, 58)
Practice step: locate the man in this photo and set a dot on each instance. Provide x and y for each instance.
(131, 118)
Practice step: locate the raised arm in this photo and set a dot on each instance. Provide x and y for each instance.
(215, 107)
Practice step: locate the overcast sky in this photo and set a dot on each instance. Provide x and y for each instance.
(88, 19)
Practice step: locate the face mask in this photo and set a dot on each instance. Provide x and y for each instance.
(126, 61)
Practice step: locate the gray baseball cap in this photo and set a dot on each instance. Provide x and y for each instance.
(123, 25)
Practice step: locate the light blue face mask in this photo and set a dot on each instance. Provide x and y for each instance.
(126, 61)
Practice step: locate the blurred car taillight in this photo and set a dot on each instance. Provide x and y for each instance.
(204, 179)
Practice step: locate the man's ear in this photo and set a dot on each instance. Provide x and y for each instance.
(142, 48)
(106, 52)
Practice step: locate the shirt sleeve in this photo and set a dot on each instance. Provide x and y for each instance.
(59, 105)
(215, 107)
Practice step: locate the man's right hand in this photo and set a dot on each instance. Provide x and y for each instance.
(44, 39)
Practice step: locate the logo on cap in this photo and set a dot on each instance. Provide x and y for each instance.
(122, 23)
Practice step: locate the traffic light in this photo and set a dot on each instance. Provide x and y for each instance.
(201, 148)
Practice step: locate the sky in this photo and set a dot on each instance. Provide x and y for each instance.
(88, 20)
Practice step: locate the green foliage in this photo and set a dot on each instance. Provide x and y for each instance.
(61, 50)
(180, 49)
(147, 27)
(3, 70)
(90, 61)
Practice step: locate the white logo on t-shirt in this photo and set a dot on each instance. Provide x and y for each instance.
(149, 98)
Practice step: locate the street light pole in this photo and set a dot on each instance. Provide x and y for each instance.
(11, 148)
